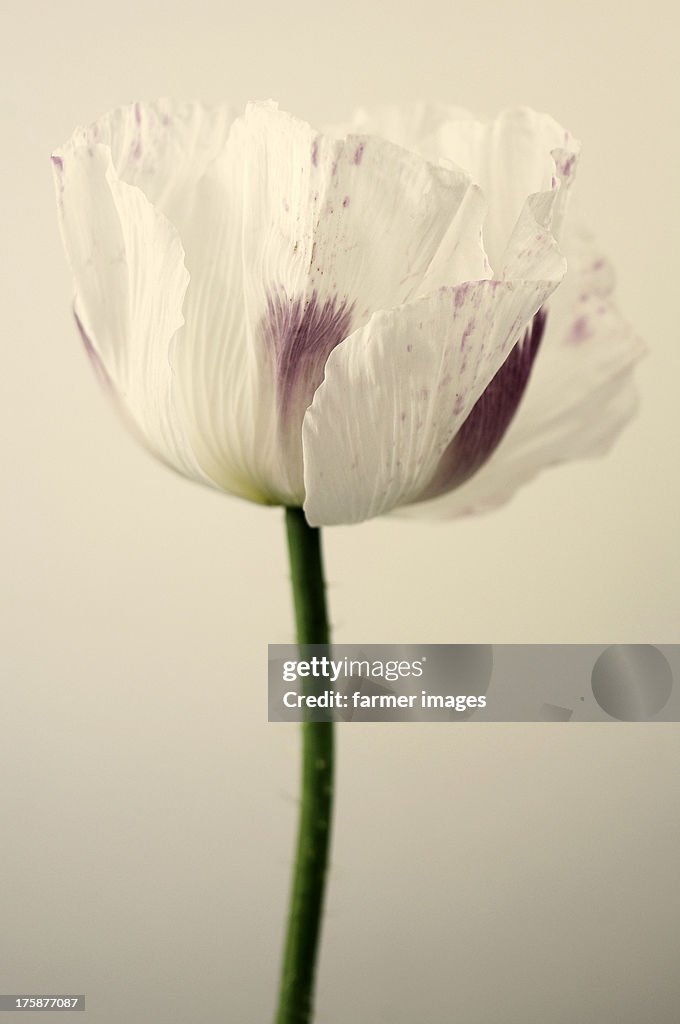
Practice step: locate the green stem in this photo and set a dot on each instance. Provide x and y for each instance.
(314, 828)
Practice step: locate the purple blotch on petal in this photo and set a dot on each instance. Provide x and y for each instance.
(315, 153)
(359, 153)
(58, 162)
(300, 334)
(490, 417)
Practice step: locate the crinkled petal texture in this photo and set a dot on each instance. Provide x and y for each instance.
(417, 401)
(512, 156)
(218, 262)
(346, 320)
(117, 184)
(581, 393)
(566, 388)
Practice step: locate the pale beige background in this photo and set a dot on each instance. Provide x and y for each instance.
(481, 875)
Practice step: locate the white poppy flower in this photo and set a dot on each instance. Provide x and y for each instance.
(345, 321)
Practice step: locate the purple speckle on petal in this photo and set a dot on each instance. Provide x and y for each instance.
(97, 364)
(567, 166)
(466, 334)
(58, 162)
(409, 348)
(580, 331)
(315, 153)
(138, 113)
(460, 297)
(359, 153)
(345, 202)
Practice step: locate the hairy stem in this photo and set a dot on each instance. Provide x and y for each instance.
(316, 805)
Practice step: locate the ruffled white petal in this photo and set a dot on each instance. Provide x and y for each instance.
(396, 392)
(516, 154)
(120, 183)
(356, 217)
(163, 147)
(580, 395)
(130, 280)
(221, 377)
(296, 240)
